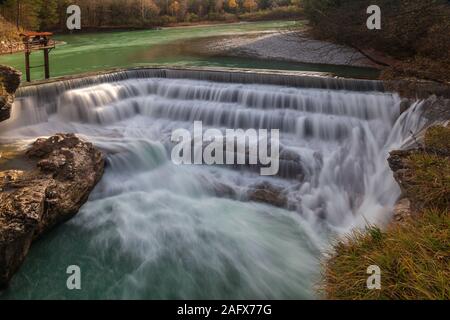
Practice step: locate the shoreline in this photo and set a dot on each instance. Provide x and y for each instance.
(102, 30)
(291, 46)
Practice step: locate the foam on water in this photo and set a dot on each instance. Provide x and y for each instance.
(155, 230)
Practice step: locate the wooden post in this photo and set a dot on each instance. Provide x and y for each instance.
(27, 65)
(46, 64)
(34, 41)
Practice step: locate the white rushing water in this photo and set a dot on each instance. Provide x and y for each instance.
(155, 230)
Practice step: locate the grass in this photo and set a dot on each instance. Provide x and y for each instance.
(414, 259)
(413, 256)
(429, 180)
(437, 140)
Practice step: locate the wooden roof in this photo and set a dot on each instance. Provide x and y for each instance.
(36, 34)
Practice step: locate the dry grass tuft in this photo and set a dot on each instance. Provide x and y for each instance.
(414, 259)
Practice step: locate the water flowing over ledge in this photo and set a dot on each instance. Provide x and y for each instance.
(282, 78)
(156, 230)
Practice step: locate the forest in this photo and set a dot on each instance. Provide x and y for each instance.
(51, 14)
(415, 33)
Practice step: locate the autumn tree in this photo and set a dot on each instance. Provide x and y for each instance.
(232, 5)
(249, 5)
(174, 8)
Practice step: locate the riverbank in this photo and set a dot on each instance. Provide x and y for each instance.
(9, 38)
(290, 45)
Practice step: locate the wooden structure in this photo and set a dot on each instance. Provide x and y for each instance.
(34, 41)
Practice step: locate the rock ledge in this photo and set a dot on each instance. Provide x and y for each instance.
(66, 169)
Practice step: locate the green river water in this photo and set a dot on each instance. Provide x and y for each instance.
(86, 52)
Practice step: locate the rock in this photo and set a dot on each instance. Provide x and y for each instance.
(9, 82)
(268, 193)
(405, 104)
(436, 109)
(33, 202)
(418, 89)
(5, 107)
(10, 78)
(402, 210)
(400, 167)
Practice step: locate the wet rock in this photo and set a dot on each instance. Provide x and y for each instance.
(33, 202)
(400, 167)
(9, 82)
(223, 190)
(405, 104)
(436, 109)
(418, 89)
(268, 193)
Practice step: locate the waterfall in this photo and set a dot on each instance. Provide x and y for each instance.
(163, 226)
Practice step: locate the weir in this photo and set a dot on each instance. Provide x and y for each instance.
(292, 79)
(335, 136)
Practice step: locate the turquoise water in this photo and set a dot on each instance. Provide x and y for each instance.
(169, 46)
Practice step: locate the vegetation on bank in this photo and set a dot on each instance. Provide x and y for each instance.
(414, 255)
(415, 33)
(8, 31)
(101, 14)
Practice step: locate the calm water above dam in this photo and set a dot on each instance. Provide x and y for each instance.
(169, 46)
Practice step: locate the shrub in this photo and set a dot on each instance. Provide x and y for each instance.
(278, 13)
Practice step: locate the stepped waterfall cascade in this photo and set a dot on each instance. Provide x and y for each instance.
(153, 229)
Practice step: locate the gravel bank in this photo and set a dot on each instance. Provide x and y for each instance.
(288, 46)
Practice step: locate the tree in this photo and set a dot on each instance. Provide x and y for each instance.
(48, 14)
(249, 5)
(174, 8)
(232, 5)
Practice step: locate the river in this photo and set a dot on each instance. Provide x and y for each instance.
(154, 230)
(87, 52)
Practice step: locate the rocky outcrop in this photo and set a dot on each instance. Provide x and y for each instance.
(418, 89)
(9, 82)
(422, 173)
(32, 202)
(11, 46)
(403, 173)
